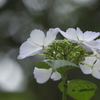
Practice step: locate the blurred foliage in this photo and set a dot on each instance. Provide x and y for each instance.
(19, 17)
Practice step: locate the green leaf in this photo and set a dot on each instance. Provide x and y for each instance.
(60, 63)
(61, 86)
(81, 89)
(43, 64)
(56, 64)
(62, 70)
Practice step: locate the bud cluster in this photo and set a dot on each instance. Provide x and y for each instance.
(65, 49)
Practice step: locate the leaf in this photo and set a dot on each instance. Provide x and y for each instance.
(56, 64)
(61, 87)
(81, 89)
(64, 65)
(43, 64)
(62, 70)
(60, 63)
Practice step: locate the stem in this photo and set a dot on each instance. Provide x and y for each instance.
(64, 79)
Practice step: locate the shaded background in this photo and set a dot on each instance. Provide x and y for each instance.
(17, 19)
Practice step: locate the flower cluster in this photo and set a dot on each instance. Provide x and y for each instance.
(80, 48)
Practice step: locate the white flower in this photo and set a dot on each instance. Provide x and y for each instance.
(37, 42)
(86, 38)
(78, 36)
(91, 65)
(43, 75)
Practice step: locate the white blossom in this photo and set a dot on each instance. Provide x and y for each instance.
(37, 42)
(91, 65)
(86, 38)
(43, 75)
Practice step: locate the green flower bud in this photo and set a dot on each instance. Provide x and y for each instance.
(65, 50)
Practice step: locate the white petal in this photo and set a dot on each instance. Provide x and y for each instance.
(96, 52)
(28, 49)
(98, 40)
(51, 36)
(89, 46)
(71, 34)
(97, 64)
(90, 60)
(37, 36)
(93, 44)
(96, 69)
(42, 75)
(96, 73)
(56, 76)
(85, 69)
(63, 33)
(86, 47)
(89, 35)
(79, 34)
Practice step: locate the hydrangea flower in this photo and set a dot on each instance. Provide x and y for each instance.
(43, 75)
(37, 42)
(91, 65)
(86, 38)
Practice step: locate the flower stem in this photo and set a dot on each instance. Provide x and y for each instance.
(64, 79)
